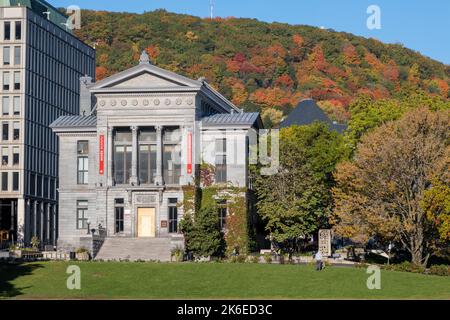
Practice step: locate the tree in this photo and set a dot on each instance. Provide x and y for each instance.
(296, 202)
(202, 235)
(436, 204)
(379, 194)
(272, 117)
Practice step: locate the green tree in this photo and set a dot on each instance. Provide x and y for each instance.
(202, 235)
(297, 201)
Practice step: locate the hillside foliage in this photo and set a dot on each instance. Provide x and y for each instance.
(264, 67)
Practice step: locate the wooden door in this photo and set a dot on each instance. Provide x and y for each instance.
(146, 222)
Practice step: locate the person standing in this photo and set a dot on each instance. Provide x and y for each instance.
(318, 257)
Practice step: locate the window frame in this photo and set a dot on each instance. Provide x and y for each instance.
(6, 81)
(5, 162)
(171, 177)
(222, 207)
(172, 215)
(15, 181)
(126, 145)
(146, 155)
(6, 55)
(119, 216)
(18, 30)
(82, 163)
(221, 174)
(7, 31)
(82, 207)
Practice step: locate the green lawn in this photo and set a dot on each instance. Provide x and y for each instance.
(211, 281)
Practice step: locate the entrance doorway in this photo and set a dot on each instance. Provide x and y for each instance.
(146, 223)
(8, 221)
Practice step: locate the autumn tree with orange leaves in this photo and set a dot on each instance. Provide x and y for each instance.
(380, 193)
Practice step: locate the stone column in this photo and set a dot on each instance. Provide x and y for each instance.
(134, 156)
(110, 157)
(159, 156)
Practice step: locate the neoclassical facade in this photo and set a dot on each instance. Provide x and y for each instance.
(142, 136)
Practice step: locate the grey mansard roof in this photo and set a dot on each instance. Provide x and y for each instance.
(233, 120)
(74, 122)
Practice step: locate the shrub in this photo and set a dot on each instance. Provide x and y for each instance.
(405, 267)
(177, 253)
(268, 258)
(255, 259)
(238, 259)
(440, 270)
(35, 242)
(81, 250)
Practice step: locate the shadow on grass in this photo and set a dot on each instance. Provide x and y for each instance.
(9, 271)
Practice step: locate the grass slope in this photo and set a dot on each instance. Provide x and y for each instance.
(211, 281)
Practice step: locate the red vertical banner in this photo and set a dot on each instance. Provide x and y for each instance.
(189, 153)
(101, 157)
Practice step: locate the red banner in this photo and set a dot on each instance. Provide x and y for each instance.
(189, 154)
(102, 155)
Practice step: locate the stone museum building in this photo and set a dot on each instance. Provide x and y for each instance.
(41, 63)
(140, 139)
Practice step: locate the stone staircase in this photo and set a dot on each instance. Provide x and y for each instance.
(133, 249)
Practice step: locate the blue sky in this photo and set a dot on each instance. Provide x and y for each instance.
(422, 25)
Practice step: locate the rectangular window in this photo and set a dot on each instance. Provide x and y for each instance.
(16, 107)
(122, 157)
(147, 156)
(16, 130)
(171, 162)
(16, 80)
(173, 216)
(82, 210)
(119, 215)
(7, 29)
(5, 156)
(18, 30)
(16, 159)
(32, 184)
(4, 181)
(223, 212)
(83, 162)
(5, 106)
(172, 156)
(39, 186)
(6, 56)
(15, 181)
(5, 131)
(17, 56)
(221, 161)
(6, 81)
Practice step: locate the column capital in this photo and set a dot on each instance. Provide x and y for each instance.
(159, 128)
(110, 130)
(134, 128)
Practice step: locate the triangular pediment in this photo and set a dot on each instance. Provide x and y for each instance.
(145, 76)
(145, 80)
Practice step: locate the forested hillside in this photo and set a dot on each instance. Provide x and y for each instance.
(261, 66)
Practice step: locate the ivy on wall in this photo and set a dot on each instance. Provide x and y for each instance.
(206, 195)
